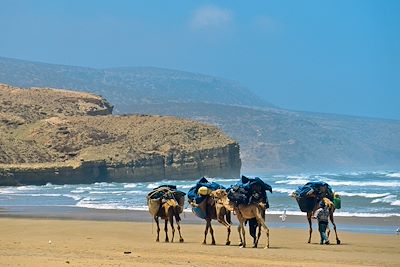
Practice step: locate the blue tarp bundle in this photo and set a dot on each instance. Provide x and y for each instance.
(192, 193)
(319, 190)
(249, 190)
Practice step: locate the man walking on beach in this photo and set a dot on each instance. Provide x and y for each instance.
(322, 215)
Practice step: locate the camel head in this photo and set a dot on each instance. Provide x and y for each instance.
(221, 196)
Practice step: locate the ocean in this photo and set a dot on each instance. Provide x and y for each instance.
(363, 194)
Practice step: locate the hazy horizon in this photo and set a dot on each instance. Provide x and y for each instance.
(332, 57)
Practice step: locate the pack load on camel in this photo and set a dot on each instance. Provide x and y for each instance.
(206, 205)
(166, 202)
(249, 191)
(198, 193)
(311, 193)
(161, 194)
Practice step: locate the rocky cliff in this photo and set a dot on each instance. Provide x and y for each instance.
(59, 136)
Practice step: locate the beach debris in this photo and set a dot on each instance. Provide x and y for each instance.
(49, 242)
(67, 262)
(127, 252)
(283, 216)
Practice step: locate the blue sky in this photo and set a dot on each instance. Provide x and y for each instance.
(325, 56)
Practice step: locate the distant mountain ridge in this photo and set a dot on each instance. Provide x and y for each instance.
(271, 139)
(129, 85)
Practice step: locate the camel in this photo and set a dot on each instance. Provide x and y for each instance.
(213, 209)
(166, 209)
(243, 213)
(308, 198)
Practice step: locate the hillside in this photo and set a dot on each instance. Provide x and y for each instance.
(279, 140)
(125, 87)
(44, 132)
(270, 138)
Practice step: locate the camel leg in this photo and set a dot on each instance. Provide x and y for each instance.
(262, 224)
(158, 229)
(206, 231)
(310, 225)
(171, 222)
(257, 238)
(179, 231)
(228, 242)
(166, 230)
(228, 228)
(240, 236)
(334, 228)
(259, 230)
(212, 235)
(243, 233)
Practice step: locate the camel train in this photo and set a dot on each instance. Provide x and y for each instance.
(247, 199)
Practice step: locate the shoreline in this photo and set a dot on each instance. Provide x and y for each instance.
(373, 225)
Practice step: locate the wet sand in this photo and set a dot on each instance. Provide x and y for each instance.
(112, 238)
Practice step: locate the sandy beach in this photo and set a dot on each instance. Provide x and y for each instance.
(88, 241)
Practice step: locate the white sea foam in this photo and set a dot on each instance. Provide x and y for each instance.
(360, 183)
(84, 188)
(153, 185)
(298, 177)
(104, 184)
(279, 176)
(78, 191)
(118, 192)
(98, 192)
(393, 175)
(74, 197)
(361, 214)
(395, 203)
(109, 206)
(130, 185)
(103, 206)
(136, 192)
(26, 188)
(344, 183)
(184, 186)
(283, 190)
(293, 182)
(42, 195)
(7, 190)
(219, 180)
(366, 195)
(386, 199)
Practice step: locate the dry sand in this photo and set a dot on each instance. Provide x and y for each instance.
(26, 242)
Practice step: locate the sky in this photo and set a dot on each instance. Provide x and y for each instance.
(323, 56)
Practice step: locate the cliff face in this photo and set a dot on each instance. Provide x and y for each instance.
(69, 142)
